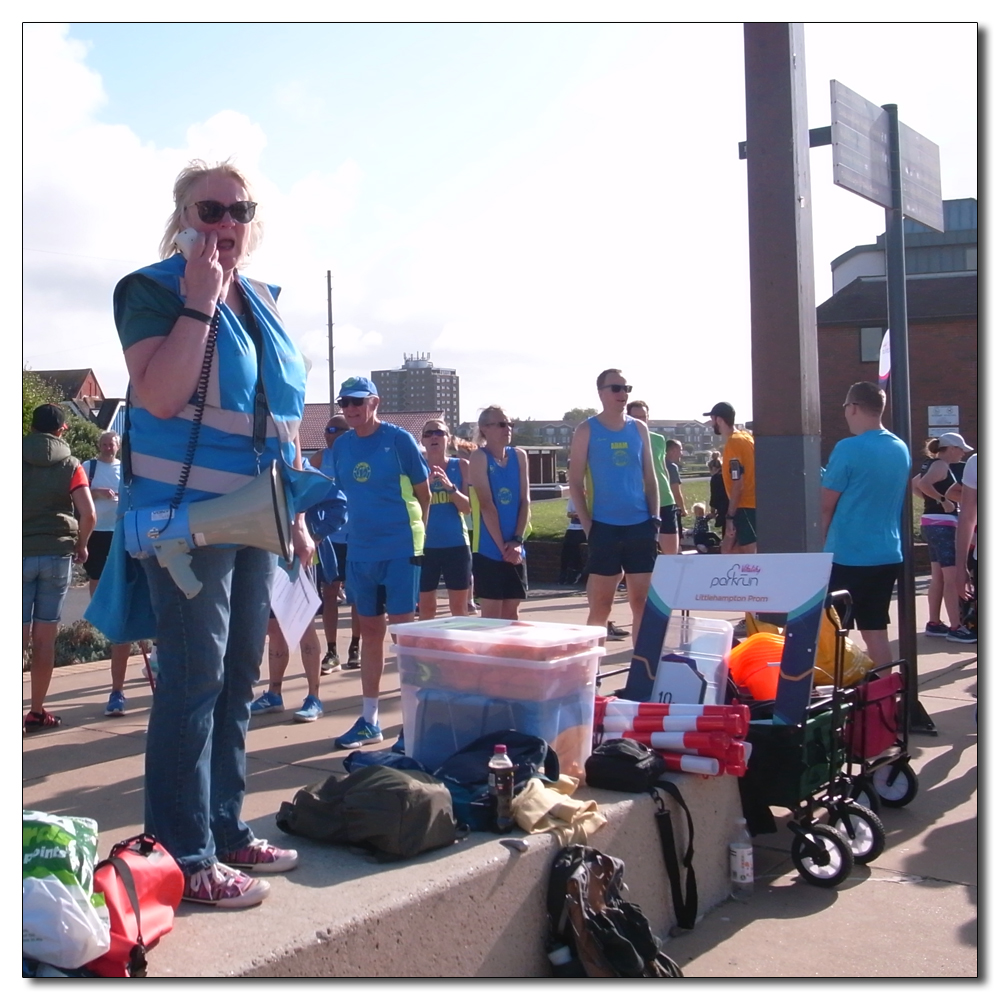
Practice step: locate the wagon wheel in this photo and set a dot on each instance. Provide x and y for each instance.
(822, 855)
(862, 829)
(896, 784)
(863, 792)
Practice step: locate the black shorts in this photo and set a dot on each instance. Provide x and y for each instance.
(495, 580)
(98, 546)
(613, 548)
(669, 519)
(870, 588)
(454, 563)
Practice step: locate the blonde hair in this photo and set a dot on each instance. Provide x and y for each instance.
(484, 418)
(186, 180)
(698, 509)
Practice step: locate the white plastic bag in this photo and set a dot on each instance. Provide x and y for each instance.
(63, 923)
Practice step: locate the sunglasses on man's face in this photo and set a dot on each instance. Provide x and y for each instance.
(335, 430)
(435, 432)
(502, 424)
(214, 211)
(347, 401)
(617, 387)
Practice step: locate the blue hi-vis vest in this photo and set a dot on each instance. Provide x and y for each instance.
(224, 460)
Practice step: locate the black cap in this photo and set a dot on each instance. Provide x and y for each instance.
(724, 410)
(48, 418)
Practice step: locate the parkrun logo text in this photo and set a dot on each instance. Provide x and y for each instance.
(739, 575)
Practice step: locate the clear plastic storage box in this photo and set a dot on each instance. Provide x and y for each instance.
(694, 664)
(461, 678)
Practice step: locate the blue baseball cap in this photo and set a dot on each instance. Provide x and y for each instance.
(357, 387)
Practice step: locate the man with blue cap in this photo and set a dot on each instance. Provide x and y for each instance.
(385, 478)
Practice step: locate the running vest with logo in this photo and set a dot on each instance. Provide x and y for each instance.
(505, 488)
(614, 474)
(445, 526)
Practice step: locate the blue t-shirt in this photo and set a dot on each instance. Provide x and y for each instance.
(377, 473)
(326, 467)
(871, 472)
(615, 486)
(445, 526)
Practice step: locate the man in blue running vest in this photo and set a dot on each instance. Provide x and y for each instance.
(385, 478)
(613, 486)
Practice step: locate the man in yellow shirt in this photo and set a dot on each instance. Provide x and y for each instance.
(738, 475)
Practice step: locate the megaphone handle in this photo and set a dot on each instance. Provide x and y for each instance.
(175, 557)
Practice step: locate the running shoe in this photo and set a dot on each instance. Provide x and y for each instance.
(267, 702)
(311, 710)
(935, 628)
(358, 735)
(260, 856)
(354, 654)
(331, 662)
(962, 634)
(614, 632)
(35, 722)
(116, 704)
(225, 887)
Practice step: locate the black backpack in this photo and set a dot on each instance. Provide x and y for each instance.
(466, 774)
(391, 812)
(607, 936)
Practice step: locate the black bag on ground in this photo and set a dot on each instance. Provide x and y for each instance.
(623, 765)
(608, 937)
(394, 813)
(466, 773)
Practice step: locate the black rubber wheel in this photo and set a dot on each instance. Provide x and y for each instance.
(863, 792)
(862, 829)
(896, 785)
(823, 856)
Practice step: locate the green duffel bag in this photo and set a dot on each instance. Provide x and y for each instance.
(393, 813)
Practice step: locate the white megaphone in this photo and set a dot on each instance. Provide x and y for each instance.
(257, 515)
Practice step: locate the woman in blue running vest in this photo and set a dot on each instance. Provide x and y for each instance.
(498, 476)
(446, 546)
(206, 348)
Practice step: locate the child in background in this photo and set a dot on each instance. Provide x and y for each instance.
(705, 540)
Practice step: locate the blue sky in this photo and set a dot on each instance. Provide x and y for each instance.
(530, 203)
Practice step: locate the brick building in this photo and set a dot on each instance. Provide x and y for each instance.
(943, 314)
(418, 387)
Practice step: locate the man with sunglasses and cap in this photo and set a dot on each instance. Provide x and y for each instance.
(613, 486)
(379, 467)
(740, 534)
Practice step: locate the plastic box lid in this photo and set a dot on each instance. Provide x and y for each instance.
(498, 637)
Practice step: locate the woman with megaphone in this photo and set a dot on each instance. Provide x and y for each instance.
(216, 396)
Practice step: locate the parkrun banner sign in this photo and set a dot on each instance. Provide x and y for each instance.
(791, 583)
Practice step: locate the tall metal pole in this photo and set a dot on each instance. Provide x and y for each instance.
(329, 339)
(899, 385)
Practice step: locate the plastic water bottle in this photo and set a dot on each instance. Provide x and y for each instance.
(501, 781)
(741, 863)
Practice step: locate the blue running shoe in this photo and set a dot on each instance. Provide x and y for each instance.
(267, 702)
(358, 735)
(116, 704)
(311, 710)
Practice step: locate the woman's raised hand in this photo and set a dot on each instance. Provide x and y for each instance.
(203, 274)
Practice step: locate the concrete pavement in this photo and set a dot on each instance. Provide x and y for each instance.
(911, 913)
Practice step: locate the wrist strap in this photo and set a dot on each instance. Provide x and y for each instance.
(194, 314)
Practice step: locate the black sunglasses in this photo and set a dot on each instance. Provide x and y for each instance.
(499, 423)
(435, 432)
(347, 401)
(214, 211)
(617, 387)
(335, 430)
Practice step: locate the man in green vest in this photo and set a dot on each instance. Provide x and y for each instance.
(54, 487)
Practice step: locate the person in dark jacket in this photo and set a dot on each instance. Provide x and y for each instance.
(54, 488)
(718, 499)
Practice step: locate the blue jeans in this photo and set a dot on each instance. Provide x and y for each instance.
(44, 582)
(209, 650)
